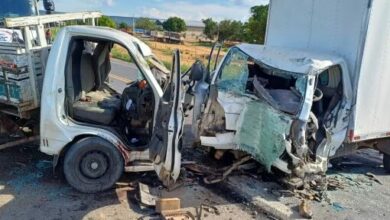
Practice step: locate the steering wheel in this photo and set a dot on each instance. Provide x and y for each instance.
(318, 95)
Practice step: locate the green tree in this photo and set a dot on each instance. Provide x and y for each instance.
(175, 24)
(211, 28)
(106, 22)
(230, 30)
(254, 30)
(146, 24)
(123, 25)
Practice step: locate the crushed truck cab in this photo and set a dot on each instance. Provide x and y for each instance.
(286, 108)
(316, 90)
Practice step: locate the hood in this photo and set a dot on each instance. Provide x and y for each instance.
(291, 60)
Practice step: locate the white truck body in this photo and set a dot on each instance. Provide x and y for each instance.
(357, 30)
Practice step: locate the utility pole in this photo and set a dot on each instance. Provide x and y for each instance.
(133, 25)
(218, 32)
(35, 5)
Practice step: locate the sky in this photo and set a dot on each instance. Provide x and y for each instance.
(186, 9)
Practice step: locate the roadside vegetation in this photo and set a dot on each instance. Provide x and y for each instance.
(120, 53)
(175, 24)
(227, 31)
(252, 31)
(106, 22)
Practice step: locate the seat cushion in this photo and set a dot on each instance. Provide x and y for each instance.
(105, 98)
(93, 113)
(100, 108)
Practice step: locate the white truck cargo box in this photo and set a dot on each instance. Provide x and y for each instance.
(359, 31)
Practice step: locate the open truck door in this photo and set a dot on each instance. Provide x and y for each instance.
(200, 90)
(165, 145)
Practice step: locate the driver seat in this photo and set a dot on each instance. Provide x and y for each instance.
(96, 104)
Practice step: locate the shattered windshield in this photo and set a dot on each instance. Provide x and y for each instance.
(16, 8)
(241, 74)
(235, 72)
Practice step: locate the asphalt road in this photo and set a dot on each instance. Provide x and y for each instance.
(121, 74)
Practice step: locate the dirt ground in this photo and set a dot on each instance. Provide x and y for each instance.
(29, 190)
(362, 190)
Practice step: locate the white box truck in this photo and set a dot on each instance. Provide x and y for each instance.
(316, 90)
(357, 30)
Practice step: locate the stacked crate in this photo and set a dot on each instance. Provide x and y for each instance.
(15, 84)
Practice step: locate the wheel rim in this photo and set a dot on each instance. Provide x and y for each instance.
(94, 165)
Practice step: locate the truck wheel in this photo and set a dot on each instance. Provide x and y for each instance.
(93, 165)
(386, 162)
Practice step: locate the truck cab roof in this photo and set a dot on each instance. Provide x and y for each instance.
(114, 34)
(291, 60)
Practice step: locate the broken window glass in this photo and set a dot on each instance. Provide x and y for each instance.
(241, 74)
(282, 90)
(300, 85)
(234, 72)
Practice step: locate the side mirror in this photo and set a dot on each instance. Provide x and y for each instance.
(49, 6)
(197, 71)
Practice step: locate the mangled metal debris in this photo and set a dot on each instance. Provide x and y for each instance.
(213, 175)
(146, 197)
(227, 171)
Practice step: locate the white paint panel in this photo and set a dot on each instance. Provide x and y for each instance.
(289, 23)
(357, 32)
(372, 118)
(331, 26)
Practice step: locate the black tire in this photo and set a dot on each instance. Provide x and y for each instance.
(93, 165)
(386, 162)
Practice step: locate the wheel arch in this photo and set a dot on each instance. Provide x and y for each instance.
(58, 159)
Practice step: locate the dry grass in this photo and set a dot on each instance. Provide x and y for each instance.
(190, 52)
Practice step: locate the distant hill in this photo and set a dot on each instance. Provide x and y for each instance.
(129, 20)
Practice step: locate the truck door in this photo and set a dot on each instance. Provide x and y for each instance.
(165, 145)
(201, 89)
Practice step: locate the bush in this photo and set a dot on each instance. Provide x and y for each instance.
(106, 22)
(175, 24)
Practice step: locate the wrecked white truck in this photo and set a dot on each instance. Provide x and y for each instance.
(97, 132)
(316, 90)
(279, 105)
(291, 104)
(60, 94)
